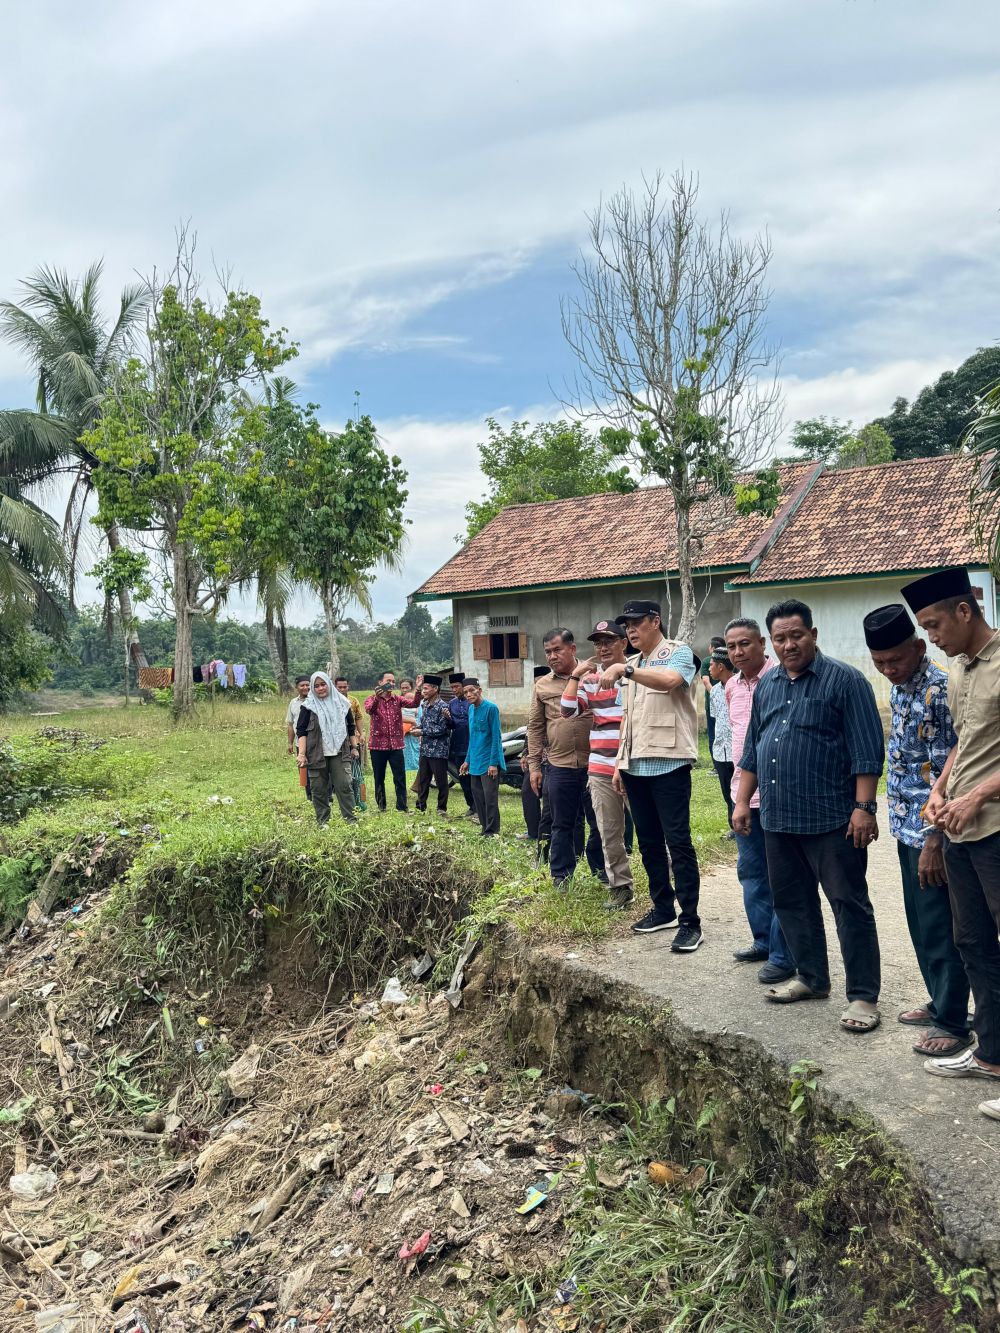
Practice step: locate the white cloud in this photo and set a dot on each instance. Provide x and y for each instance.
(855, 394)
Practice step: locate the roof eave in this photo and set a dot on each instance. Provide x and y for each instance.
(656, 576)
(913, 572)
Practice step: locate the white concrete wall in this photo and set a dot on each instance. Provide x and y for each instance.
(839, 609)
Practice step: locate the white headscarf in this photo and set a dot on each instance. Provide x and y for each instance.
(330, 713)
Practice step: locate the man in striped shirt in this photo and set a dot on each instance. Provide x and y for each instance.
(583, 693)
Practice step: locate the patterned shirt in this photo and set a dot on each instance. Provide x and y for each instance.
(807, 741)
(435, 730)
(680, 660)
(605, 707)
(920, 737)
(722, 746)
(386, 728)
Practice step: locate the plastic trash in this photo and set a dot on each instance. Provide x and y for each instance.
(415, 1250)
(535, 1195)
(567, 1290)
(421, 967)
(394, 993)
(33, 1184)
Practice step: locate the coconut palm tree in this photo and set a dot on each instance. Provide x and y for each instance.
(59, 327)
(32, 559)
(982, 439)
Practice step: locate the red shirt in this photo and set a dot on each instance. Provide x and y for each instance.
(386, 713)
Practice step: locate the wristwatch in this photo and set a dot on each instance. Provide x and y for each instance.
(627, 673)
(869, 807)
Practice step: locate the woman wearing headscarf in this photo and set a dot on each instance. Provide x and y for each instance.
(327, 746)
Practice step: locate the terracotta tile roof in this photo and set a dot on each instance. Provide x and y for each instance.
(897, 516)
(601, 536)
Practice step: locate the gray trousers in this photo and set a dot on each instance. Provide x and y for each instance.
(486, 801)
(609, 809)
(333, 778)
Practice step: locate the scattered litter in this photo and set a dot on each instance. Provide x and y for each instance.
(384, 1183)
(33, 1184)
(535, 1195)
(421, 967)
(90, 1259)
(394, 993)
(435, 1089)
(220, 800)
(59, 1319)
(567, 1290)
(357, 1197)
(45, 991)
(415, 1250)
(454, 992)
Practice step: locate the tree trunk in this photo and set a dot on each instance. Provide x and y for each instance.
(183, 657)
(273, 636)
(125, 610)
(283, 650)
(688, 621)
(332, 621)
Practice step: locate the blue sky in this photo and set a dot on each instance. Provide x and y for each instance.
(407, 185)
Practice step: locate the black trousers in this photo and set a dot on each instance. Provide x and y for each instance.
(928, 916)
(438, 770)
(661, 811)
(797, 865)
(486, 795)
(571, 804)
(974, 888)
(531, 808)
(465, 782)
(724, 770)
(394, 760)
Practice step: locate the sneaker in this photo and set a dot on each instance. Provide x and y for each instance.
(651, 923)
(619, 900)
(959, 1066)
(992, 1109)
(750, 955)
(686, 940)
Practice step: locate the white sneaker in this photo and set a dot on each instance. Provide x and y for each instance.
(992, 1109)
(959, 1066)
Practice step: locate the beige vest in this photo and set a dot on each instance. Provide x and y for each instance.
(658, 724)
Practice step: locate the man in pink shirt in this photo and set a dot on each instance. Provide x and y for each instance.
(746, 648)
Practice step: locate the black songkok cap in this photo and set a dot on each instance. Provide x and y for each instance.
(542, 671)
(887, 627)
(934, 588)
(455, 677)
(433, 680)
(471, 680)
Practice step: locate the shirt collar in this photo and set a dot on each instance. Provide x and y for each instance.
(817, 666)
(916, 680)
(987, 651)
(769, 665)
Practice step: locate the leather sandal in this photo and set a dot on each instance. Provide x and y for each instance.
(792, 991)
(856, 1020)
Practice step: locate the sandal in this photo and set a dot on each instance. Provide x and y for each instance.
(792, 991)
(915, 1018)
(958, 1044)
(854, 1019)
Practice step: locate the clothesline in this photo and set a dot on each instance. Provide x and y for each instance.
(217, 672)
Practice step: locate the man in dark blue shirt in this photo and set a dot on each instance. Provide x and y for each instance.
(815, 750)
(459, 748)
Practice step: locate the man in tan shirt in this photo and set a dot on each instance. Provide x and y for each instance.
(964, 803)
(567, 743)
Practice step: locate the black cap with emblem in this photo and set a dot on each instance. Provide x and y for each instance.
(605, 627)
(635, 610)
(887, 627)
(934, 588)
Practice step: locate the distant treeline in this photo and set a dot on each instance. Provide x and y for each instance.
(91, 660)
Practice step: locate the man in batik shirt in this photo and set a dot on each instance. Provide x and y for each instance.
(921, 735)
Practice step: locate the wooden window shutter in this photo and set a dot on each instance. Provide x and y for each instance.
(522, 646)
(497, 675)
(481, 647)
(514, 673)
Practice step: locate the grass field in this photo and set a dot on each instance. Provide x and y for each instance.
(197, 804)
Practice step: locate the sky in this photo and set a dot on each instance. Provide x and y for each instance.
(407, 186)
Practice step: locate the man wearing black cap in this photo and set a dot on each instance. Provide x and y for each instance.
(459, 748)
(567, 743)
(435, 738)
(921, 736)
(659, 743)
(584, 694)
(815, 749)
(965, 804)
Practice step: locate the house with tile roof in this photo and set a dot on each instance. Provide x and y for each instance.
(842, 540)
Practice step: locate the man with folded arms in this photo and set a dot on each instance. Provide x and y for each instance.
(814, 749)
(659, 743)
(584, 694)
(964, 805)
(921, 736)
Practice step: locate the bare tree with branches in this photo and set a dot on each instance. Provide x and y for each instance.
(669, 329)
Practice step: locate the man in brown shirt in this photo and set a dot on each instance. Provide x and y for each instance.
(567, 743)
(964, 803)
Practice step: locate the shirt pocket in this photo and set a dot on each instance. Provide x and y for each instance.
(663, 733)
(818, 717)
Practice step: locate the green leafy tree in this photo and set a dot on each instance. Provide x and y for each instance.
(25, 661)
(179, 447)
(123, 571)
(340, 502)
(935, 421)
(871, 445)
(554, 460)
(820, 439)
(669, 330)
(73, 352)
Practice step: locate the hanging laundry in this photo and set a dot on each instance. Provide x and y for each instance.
(207, 673)
(155, 678)
(230, 676)
(240, 672)
(220, 674)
